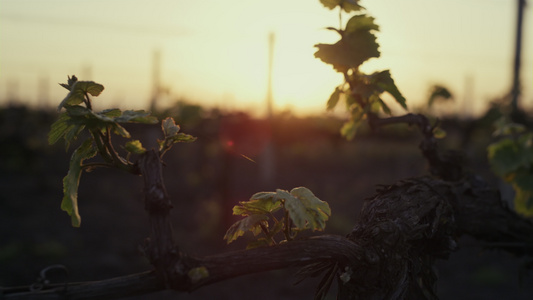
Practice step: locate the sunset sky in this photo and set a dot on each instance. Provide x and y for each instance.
(216, 52)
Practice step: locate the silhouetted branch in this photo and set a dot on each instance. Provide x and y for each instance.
(131, 285)
(390, 253)
(160, 248)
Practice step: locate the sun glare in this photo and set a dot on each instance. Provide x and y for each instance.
(221, 59)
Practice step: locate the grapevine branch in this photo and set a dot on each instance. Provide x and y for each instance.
(390, 253)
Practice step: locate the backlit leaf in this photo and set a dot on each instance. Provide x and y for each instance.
(259, 203)
(64, 128)
(72, 133)
(58, 129)
(240, 227)
(351, 5)
(349, 129)
(505, 127)
(295, 207)
(508, 155)
(331, 4)
(346, 5)
(135, 147)
(523, 201)
(136, 116)
(522, 183)
(356, 46)
(78, 91)
(334, 99)
(119, 130)
(180, 138)
(72, 180)
(305, 209)
(360, 23)
(439, 92)
(111, 113)
(439, 133)
(384, 81)
(70, 82)
(169, 127)
(317, 211)
(83, 116)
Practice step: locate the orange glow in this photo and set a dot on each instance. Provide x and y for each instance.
(220, 59)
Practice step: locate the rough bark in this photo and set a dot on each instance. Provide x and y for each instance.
(160, 248)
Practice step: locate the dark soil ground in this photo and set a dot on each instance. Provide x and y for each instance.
(206, 179)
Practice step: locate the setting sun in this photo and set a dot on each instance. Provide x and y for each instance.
(216, 53)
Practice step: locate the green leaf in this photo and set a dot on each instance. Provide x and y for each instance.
(305, 209)
(331, 4)
(240, 227)
(334, 99)
(169, 127)
(180, 138)
(83, 116)
(349, 129)
(439, 92)
(75, 111)
(111, 113)
(524, 181)
(73, 133)
(523, 201)
(78, 91)
(351, 5)
(58, 129)
(346, 5)
(135, 147)
(296, 209)
(348, 53)
(439, 133)
(507, 156)
(360, 23)
(505, 127)
(260, 203)
(72, 180)
(63, 128)
(136, 116)
(172, 135)
(70, 82)
(374, 103)
(278, 227)
(350, 102)
(523, 185)
(385, 83)
(94, 89)
(119, 130)
(384, 106)
(355, 47)
(108, 118)
(317, 211)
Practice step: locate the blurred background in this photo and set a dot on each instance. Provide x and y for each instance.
(240, 76)
(216, 53)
